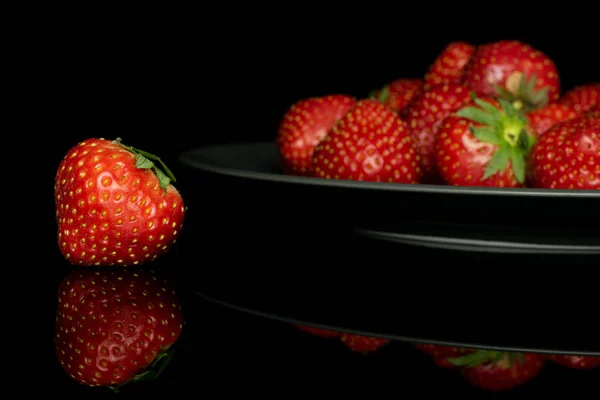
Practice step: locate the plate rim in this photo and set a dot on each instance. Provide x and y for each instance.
(188, 159)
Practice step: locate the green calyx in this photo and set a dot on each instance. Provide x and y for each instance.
(145, 160)
(484, 357)
(380, 95)
(153, 371)
(504, 127)
(523, 95)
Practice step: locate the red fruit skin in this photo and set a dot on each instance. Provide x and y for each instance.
(363, 344)
(576, 362)
(462, 158)
(370, 143)
(110, 325)
(318, 331)
(544, 118)
(567, 156)
(502, 375)
(401, 92)
(502, 62)
(303, 126)
(424, 116)
(449, 66)
(111, 213)
(582, 98)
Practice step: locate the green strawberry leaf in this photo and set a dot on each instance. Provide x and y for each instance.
(384, 94)
(162, 178)
(142, 162)
(477, 115)
(472, 359)
(517, 159)
(487, 134)
(498, 162)
(488, 107)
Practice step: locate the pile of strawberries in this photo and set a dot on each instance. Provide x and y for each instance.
(489, 115)
(115, 208)
(486, 369)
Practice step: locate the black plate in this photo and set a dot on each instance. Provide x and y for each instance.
(501, 268)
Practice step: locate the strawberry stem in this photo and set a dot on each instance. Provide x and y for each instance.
(153, 371)
(522, 95)
(147, 160)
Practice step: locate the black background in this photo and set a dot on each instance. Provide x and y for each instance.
(166, 85)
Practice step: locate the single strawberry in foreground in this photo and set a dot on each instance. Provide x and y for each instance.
(424, 116)
(516, 72)
(484, 145)
(370, 143)
(576, 362)
(363, 344)
(318, 331)
(546, 117)
(582, 98)
(303, 126)
(398, 94)
(115, 205)
(449, 66)
(498, 371)
(114, 327)
(567, 156)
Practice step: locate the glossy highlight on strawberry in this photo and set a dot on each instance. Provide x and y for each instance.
(115, 205)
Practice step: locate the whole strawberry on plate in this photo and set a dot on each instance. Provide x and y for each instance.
(498, 371)
(514, 71)
(449, 65)
(398, 94)
(115, 327)
(363, 344)
(582, 98)
(424, 116)
(304, 125)
(544, 118)
(576, 362)
(115, 205)
(369, 143)
(485, 144)
(567, 156)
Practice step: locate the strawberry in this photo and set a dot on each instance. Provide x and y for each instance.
(484, 145)
(448, 67)
(582, 98)
(424, 115)
(303, 126)
(363, 344)
(567, 156)
(498, 371)
(115, 327)
(318, 331)
(544, 118)
(576, 362)
(442, 354)
(514, 71)
(115, 205)
(370, 143)
(398, 94)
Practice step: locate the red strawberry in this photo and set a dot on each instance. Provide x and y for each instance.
(544, 118)
(448, 67)
(424, 115)
(515, 71)
(567, 156)
(370, 143)
(497, 371)
(318, 331)
(484, 145)
(576, 362)
(113, 327)
(582, 98)
(363, 344)
(399, 93)
(115, 205)
(304, 125)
